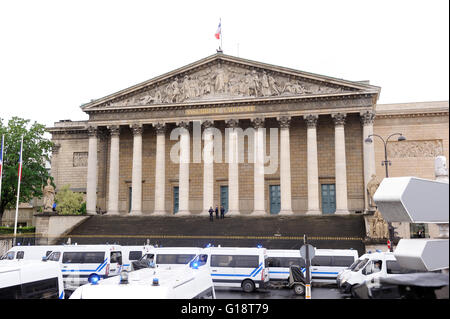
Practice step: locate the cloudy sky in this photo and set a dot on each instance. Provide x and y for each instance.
(57, 55)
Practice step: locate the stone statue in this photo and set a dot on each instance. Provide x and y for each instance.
(379, 227)
(49, 196)
(372, 187)
(440, 169)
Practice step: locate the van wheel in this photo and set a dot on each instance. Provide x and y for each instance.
(299, 289)
(248, 285)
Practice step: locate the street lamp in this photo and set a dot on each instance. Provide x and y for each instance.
(387, 163)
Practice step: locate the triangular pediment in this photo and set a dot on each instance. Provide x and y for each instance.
(226, 78)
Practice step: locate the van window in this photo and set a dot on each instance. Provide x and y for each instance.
(273, 262)
(83, 257)
(321, 261)
(135, 255)
(343, 261)
(116, 257)
(47, 253)
(246, 261)
(9, 255)
(54, 256)
(20, 255)
(221, 261)
(361, 264)
(373, 267)
(393, 267)
(174, 258)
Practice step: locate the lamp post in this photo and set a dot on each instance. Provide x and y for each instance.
(387, 163)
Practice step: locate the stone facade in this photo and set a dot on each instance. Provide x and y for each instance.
(222, 88)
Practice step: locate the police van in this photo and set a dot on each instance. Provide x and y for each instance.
(151, 283)
(235, 266)
(325, 266)
(30, 279)
(28, 252)
(78, 262)
(169, 256)
(370, 266)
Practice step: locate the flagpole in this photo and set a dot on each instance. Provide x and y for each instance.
(1, 163)
(18, 190)
(221, 47)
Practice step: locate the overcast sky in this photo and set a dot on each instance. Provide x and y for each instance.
(57, 55)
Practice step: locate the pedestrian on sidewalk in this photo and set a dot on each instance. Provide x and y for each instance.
(211, 211)
(217, 212)
(222, 212)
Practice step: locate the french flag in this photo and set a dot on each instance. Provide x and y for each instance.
(219, 30)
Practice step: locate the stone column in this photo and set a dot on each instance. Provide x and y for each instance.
(113, 190)
(91, 187)
(208, 167)
(367, 119)
(183, 180)
(312, 165)
(340, 163)
(285, 166)
(233, 168)
(258, 179)
(136, 177)
(160, 170)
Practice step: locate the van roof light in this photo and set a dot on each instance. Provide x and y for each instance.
(155, 282)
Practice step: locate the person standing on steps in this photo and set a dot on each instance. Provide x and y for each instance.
(211, 211)
(217, 212)
(222, 212)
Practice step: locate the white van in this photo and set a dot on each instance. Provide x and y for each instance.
(30, 279)
(78, 262)
(133, 253)
(367, 267)
(235, 266)
(28, 252)
(325, 266)
(170, 256)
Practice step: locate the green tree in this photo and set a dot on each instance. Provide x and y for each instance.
(36, 151)
(68, 202)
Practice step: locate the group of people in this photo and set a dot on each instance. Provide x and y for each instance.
(217, 210)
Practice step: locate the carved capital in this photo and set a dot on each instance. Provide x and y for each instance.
(92, 131)
(207, 124)
(160, 128)
(339, 118)
(284, 121)
(137, 129)
(114, 130)
(311, 120)
(55, 148)
(258, 122)
(367, 117)
(232, 123)
(183, 124)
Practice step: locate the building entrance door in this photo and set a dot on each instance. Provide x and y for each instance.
(328, 198)
(175, 199)
(224, 197)
(275, 201)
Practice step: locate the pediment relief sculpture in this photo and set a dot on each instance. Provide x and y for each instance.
(221, 81)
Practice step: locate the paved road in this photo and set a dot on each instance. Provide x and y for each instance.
(324, 292)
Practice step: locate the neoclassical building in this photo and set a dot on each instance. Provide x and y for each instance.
(255, 138)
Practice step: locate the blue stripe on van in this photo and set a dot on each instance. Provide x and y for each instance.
(312, 272)
(252, 274)
(99, 268)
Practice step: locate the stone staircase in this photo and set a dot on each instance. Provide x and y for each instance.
(273, 232)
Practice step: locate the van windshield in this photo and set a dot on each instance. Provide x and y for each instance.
(361, 264)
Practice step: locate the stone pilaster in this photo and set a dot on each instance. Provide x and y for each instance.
(91, 187)
(367, 119)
